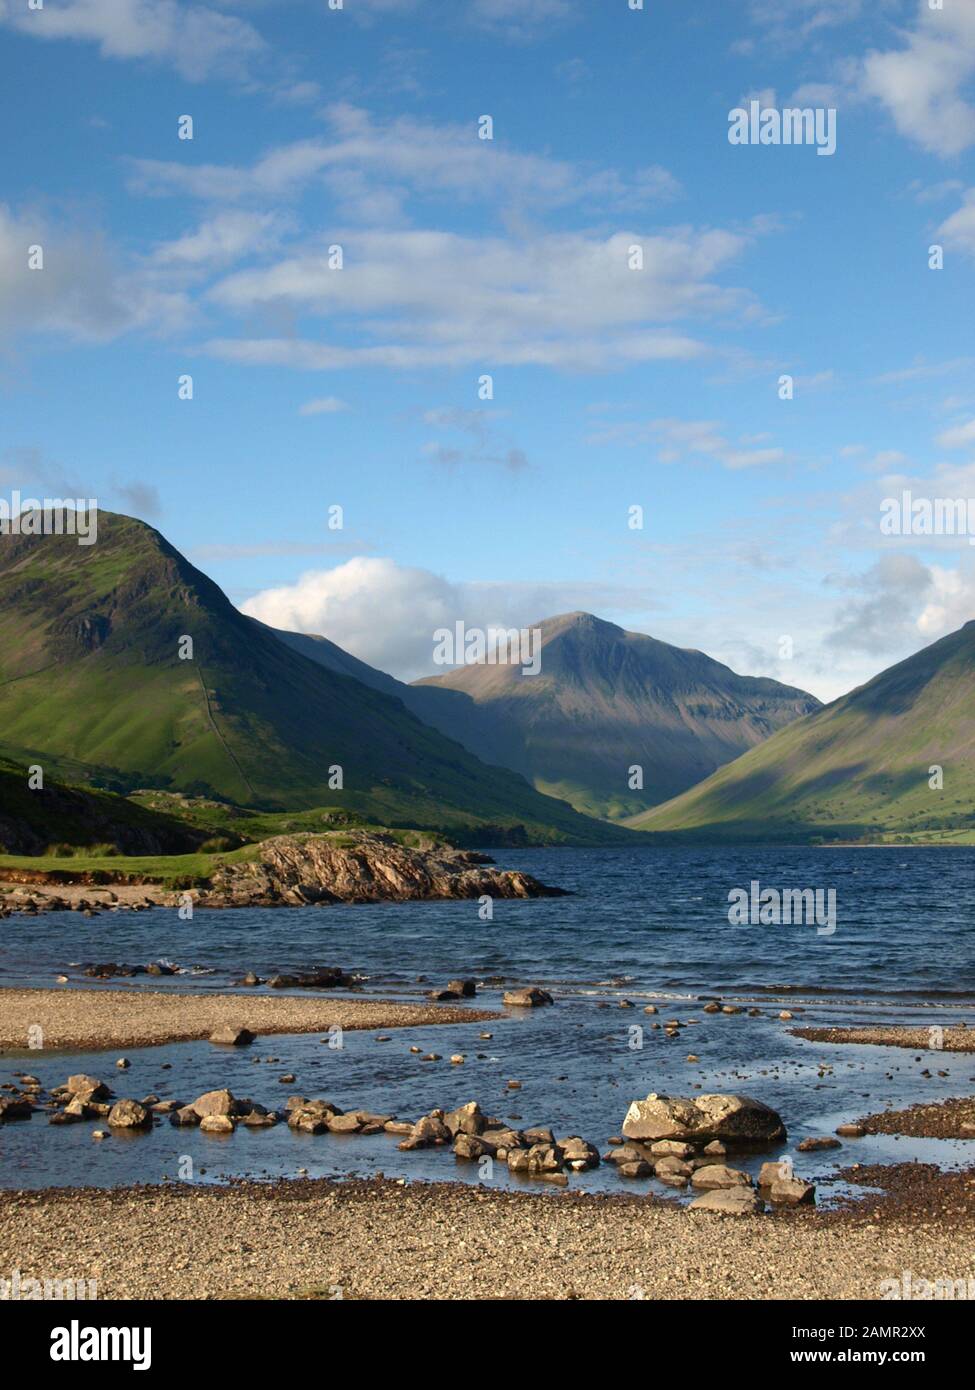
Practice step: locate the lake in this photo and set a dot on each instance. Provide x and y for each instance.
(648, 925)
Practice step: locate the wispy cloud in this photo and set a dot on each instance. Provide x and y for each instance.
(198, 41)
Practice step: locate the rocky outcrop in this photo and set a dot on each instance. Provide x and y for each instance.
(360, 867)
(739, 1119)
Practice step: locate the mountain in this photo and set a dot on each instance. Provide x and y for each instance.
(604, 701)
(857, 768)
(92, 686)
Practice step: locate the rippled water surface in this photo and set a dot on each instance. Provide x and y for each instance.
(642, 925)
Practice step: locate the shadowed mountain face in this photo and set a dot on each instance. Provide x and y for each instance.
(40, 819)
(860, 766)
(606, 701)
(92, 687)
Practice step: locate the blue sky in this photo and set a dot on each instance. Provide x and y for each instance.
(358, 127)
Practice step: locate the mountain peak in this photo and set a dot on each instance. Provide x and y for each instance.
(605, 701)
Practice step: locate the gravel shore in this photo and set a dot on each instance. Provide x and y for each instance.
(950, 1039)
(946, 1119)
(383, 1240)
(88, 1019)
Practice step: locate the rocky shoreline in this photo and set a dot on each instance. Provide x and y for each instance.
(351, 866)
(683, 1142)
(317, 1239)
(91, 1019)
(946, 1119)
(935, 1039)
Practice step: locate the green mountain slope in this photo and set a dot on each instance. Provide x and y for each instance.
(42, 820)
(91, 678)
(604, 701)
(858, 768)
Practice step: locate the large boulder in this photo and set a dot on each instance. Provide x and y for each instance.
(214, 1103)
(527, 998)
(15, 1108)
(129, 1114)
(230, 1036)
(530, 998)
(468, 1146)
(466, 1119)
(578, 1154)
(88, 1086)
(737, 1118)
(716, 1175)
(792, 1192)
(729, 1201)
(503, 1141)
(427, 1131)
(217, 1124)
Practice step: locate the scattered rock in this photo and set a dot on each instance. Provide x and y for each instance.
(635, 1168)
(736, 1201)
(230, 1036)
(466, 1119)
(530, 998)
(467, 989)
(129, 1114)
(770, 1173)
(214, 1103)
(792, 1192)
(15, 1108)
(217, 1124)
(578, 1154)
(88, 1086)
(344, 1124)
(716, 1175)
(674, 1148)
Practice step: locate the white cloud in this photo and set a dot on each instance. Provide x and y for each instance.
(437, 298)
(951, 601)
(370, 166)
(386, 614)
(223, 239)
(676, 439)
(198, 42)
(885, 608)
(923, 84)
(958, 230)
(521, 19)
(959, 437)
(84, 290)
(323, 405)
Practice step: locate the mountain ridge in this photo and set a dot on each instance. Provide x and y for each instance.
(90, 677)
(858, 768)
(606, 700)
